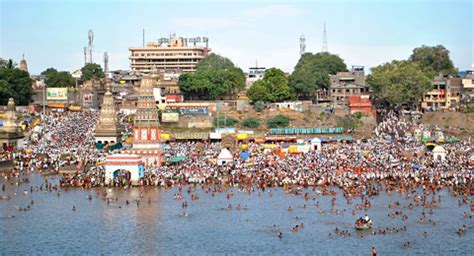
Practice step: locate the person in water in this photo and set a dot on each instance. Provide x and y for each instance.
(373, 251)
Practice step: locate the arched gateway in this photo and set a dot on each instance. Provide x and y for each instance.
(120, 164)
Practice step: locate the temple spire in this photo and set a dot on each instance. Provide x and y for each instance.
(107, 129)
(23, 64)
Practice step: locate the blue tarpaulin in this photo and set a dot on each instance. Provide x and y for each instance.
(244, 155)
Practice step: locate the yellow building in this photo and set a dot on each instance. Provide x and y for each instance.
(176, 53)
(440, 97)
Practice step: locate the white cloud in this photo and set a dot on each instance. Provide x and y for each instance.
(205, 22)
(274, 10)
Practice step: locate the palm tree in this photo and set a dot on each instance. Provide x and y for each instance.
(7, 63)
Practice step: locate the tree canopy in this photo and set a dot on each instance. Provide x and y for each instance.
(53, 78)
(399, 82)
(14, 83)
(92, 71)
(215, 77)
(251, 122)
(279, 121)
(312, 73)
(433, 60)
(273, 87)
(214, 61)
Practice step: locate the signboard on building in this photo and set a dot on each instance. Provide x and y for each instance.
(170, 117)
(56, 94)
(87, 100)
(194, 111)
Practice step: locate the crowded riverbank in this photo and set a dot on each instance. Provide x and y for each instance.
(287, 200)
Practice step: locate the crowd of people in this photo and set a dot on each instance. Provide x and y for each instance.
(67, 140)
(392, 161)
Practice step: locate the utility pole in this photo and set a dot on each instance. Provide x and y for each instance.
(91, 44)
(85, 55)
(217, 113)
(44, 99)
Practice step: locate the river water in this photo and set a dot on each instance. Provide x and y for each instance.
(162, 227)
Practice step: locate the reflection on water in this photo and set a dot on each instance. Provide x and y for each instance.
(158, 224)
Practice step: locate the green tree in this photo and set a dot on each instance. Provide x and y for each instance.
(258, 92)
(433, 60)
(214, 62)
(312, 73)
(251, 122)
(216, 78)
(92, 71)
(53, 78)
(399, 82)
(279, 121)
(14, 83)
(273, 87)
(225, 121)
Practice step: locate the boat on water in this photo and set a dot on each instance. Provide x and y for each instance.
(363, 223)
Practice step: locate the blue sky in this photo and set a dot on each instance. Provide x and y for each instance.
(52, 33)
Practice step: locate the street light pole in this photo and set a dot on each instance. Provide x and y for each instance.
(44, 99)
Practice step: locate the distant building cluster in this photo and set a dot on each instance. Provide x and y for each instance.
(164, 60)
(449, 92)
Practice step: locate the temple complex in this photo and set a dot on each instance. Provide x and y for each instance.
(146, 124)
(107, 129)
(11, 135)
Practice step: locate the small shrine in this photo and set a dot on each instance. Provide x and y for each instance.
(229, 142)
(11, 135)
(225, 157)
(127, 167)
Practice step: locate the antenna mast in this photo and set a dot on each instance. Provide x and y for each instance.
(325, 40)
(302, 45)
(85, 55)
(143, 37)
(91, 44)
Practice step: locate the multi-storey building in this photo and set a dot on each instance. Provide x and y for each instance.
(440, 97)
(468, 86)
(255, 73)
(346, 84)
(168, 54)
